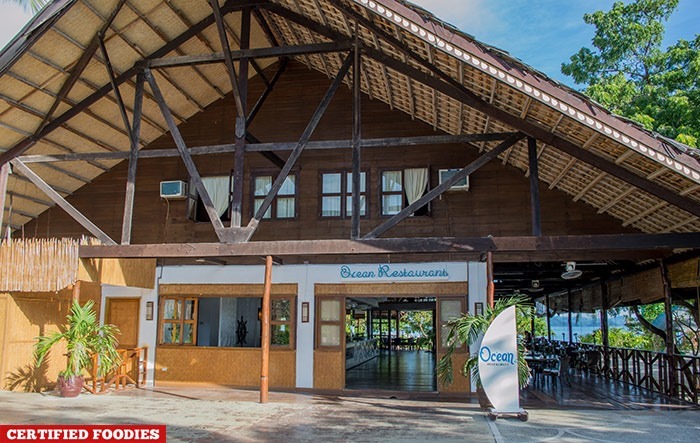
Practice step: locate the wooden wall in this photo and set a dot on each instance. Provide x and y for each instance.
(238, 367)
(135, 273)
(25, 316)
(497, 203)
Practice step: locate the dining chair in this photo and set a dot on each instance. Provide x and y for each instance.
(559, 372)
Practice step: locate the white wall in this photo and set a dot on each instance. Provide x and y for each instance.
(148, 329)
(306, 276)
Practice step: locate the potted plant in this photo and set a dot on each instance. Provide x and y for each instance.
(469, 329)
(85, 338)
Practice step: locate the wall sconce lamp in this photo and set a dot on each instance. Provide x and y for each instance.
(478, 308)
(149, 310)
(305, 312)
(259, 314)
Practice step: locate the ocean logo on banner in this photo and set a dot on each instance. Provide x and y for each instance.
(393, 272)
(496, 358)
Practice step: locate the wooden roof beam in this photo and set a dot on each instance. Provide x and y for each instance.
(62, 202)
(441, 188)
(25, 144)
(567, 246)
(298, 149)
(256, 146)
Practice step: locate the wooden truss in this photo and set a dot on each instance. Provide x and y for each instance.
(408, 63)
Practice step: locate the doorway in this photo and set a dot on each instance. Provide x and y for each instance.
(124, 314)
(390, 344)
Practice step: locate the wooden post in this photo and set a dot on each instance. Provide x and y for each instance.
(133, 159)
(534, 187)
(4, 173)
(549, 325)
(670, 337)
(241, 125)
(604, 328)
(568, 303)
(490, 288)
(356, 138)
(76, 291)
(265, 345)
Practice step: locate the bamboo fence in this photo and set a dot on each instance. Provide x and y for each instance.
(38, 265)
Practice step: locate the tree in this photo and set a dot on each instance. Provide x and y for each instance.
(29, 5)
(628, 72)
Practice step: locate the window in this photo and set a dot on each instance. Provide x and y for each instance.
(224, 321)
(179, 320)
(220, 190)
(336, 194)
(330, 315)
(283, 205)
(400, 188)
(449, 309)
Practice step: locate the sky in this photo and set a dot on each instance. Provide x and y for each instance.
(541, 33)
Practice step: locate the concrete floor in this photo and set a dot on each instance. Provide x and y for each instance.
(226, 415)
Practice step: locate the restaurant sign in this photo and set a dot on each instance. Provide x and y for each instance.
(393, 272)
(498, 363)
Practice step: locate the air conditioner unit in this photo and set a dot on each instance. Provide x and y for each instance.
(174, 190)
(462, 185)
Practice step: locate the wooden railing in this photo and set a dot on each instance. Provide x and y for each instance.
(131, 372)
(674, 375)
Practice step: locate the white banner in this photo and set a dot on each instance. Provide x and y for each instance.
(498, 363)
(394, 272)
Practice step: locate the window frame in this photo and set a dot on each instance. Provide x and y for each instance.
(194, 199)
(344, 195)
(340, 323)
(292, 299)
(404, 200)
(442, 324)
(273, 205)
(182, 302)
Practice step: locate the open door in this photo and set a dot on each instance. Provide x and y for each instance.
(124, 314)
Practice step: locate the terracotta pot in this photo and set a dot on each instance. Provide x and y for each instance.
(70, 386)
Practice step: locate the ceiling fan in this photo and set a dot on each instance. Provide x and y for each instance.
(571, 272)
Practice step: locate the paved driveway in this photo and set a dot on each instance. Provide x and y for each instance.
(224, 415)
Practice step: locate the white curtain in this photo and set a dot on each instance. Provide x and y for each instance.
(415, 183)
(217, 188)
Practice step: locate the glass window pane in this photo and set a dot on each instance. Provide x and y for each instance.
(330, 335)
(171, 309)
(330, 310)
(279, 335)
(330, 206)
(362, 182)
(263, 184)
(187, 333)
(171, 333)
(331, 183)
(258, 203)
(288, 186)
(391, 204)
(363, 209)
(450, 309)
(285, 207)
(392, 181)
(281, 310)
(189, 309)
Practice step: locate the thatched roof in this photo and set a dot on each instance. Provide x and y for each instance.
(407, 51)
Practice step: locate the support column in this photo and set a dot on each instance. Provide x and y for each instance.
(241, 125)
(604, 329)
(133, 159)
(265, 345)
(568, 303)
(534, 187)
(670, 337)
(490, 288)
(549, 326)
(356, 139)
(4, 173)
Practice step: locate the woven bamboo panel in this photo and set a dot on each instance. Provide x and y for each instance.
(35, 265)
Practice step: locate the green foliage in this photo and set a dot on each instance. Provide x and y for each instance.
(469, 328)
(628, 72)
(84, 337)
(623, 338)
